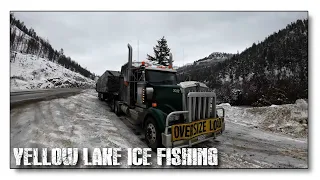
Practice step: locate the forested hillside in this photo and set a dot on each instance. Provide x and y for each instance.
(35, 64)
(26, 41)
(274, 71)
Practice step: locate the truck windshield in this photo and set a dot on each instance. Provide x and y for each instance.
(161, 77)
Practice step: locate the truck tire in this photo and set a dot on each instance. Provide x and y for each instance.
(99, 96)
(152, 134)
(116, 108)
(112, 104)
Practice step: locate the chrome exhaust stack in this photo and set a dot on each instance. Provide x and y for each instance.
(129, 72)
(170, 60)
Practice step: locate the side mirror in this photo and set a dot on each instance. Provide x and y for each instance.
(149, 93)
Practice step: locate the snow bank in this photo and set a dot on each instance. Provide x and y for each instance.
(225, 105)
(31, 72)
(302, 104)
(186, 84)
(291, 119)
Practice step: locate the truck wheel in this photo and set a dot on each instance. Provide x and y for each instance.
(112, 104)
(152, 134)
(99, 96)
(116, 109)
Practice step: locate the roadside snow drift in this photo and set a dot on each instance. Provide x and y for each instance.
(290, 119)
(32, 72)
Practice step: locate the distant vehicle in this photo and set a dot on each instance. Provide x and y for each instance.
(172, 114)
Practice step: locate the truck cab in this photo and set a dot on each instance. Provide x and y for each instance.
(172, 114)
(161, 89)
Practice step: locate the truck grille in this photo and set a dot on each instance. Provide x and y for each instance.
(201, 104)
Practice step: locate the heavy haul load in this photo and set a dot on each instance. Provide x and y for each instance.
(108, 84)
(172, 114)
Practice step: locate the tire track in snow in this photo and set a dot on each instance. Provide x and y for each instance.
(84, 121)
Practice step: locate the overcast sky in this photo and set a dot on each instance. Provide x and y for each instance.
(98, 40)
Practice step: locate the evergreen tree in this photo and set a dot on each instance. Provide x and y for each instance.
(161, 52)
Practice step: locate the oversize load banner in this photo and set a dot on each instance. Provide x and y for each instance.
(196, 128)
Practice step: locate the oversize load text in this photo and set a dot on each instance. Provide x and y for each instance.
(196, 128)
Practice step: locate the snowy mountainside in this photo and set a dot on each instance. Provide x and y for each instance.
(32, 72)
(198, 65)
(273, 71)
(214, 57)
(35, 64)
(20, 43)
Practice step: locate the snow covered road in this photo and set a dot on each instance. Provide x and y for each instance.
(244, 147)
(83, 121)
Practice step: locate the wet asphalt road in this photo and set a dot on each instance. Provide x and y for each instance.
(23, 97)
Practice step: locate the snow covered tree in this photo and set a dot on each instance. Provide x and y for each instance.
(161, 52)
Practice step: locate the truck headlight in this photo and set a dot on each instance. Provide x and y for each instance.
(175, 117)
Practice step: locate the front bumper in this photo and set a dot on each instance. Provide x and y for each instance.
(167, 136)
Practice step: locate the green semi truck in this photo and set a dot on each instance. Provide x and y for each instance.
(171, 113)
